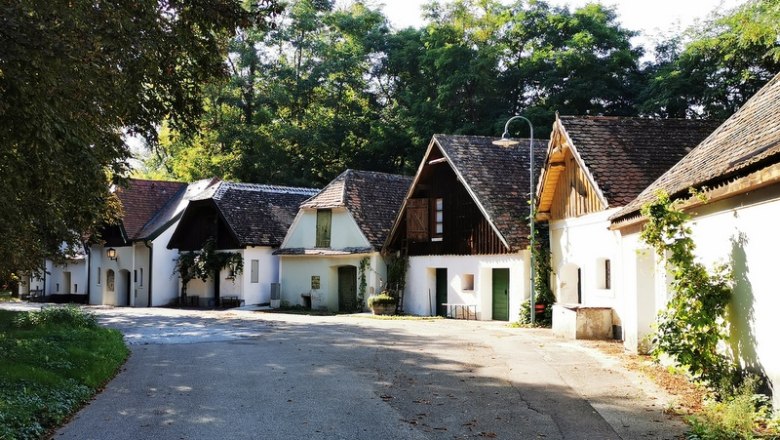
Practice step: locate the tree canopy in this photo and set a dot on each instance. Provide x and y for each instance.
(75, 79)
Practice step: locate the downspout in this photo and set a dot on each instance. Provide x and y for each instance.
(89, 269)
(43, 292)
(149, 286)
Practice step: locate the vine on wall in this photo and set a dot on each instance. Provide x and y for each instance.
(692, 326)
(206, 263)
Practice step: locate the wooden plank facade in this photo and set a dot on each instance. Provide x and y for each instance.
(464, 229)
(566, 189)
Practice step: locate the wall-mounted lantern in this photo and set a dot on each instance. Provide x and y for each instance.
(111, 253)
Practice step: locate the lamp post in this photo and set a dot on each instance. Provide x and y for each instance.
(505, 141)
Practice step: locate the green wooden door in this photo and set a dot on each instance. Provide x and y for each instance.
(347, 288)
(441, 292)
(501, 294)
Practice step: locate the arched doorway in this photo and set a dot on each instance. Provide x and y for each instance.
(123, 288)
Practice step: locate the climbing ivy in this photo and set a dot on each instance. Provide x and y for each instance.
(205, 263)
(693, 325)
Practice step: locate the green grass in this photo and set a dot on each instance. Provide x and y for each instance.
(51, 363)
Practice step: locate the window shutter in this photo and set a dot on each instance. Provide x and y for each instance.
(417, 220)
(323, 228)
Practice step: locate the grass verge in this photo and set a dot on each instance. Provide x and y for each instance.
(51, 363)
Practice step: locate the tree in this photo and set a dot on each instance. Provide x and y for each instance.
(728, 59)
(75, 79)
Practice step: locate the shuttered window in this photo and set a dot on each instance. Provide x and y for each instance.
(417, 219)
(324, 217)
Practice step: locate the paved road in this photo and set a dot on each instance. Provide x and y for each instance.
(249, 375)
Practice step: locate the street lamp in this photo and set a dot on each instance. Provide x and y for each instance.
(506, 141)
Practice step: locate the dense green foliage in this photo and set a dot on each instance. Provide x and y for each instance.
(335, 87)
(693, 326)
(51, 363)
(75, 78)
(206, 263)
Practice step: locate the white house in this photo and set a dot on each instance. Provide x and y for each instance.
(738, 170)
(595, 166)
(133, 266)
(63, 281)
(463, 226)
(248, 219)
(330, 258)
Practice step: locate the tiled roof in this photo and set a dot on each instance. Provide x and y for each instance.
(142, 200)
(625, 154)
(750, 138)
(259, 215)
(371, 197)
(173, 209)
(498, 177)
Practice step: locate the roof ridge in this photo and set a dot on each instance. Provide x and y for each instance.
(270, 188)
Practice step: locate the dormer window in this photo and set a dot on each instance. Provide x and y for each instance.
(324, 218)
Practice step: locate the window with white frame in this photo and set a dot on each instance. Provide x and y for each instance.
(438, 228)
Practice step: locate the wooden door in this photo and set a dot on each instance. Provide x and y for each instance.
(501, 294)
(441, 292)
(347, 288)
(66, 282)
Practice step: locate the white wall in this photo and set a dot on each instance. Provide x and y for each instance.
(165, 285)
(242, 286)
(740, 231)
(344, 231)
(585, 243)
(420, 293)
(297, 270)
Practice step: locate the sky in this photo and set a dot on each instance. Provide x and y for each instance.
(653, 18)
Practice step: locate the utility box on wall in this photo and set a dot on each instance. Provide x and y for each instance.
(276, 295)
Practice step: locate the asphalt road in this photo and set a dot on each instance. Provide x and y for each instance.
(250, 375)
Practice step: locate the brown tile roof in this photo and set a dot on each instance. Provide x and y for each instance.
(748, 140)
(371, 197)
(625, 154)
(142, 200)
(259, 215)
(498, 177)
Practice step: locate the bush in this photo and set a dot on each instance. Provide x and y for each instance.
(745, 415)
(70, 316)
(383, 299)
(543, 319)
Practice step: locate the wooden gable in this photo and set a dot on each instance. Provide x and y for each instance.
(566, 189)
(466, 231)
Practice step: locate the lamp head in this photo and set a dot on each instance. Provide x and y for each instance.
(505, 141)
(111, 253)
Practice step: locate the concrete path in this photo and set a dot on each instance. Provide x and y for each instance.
(250, 375)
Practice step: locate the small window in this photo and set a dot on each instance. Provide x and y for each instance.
(141, 276)
(135, 276)
(603, 273)
(255, 271)
(468, 282)
(438, 219)
(324, 217)
(99, 275)
(110, 280)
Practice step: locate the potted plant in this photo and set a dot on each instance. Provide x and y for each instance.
(382, 304)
